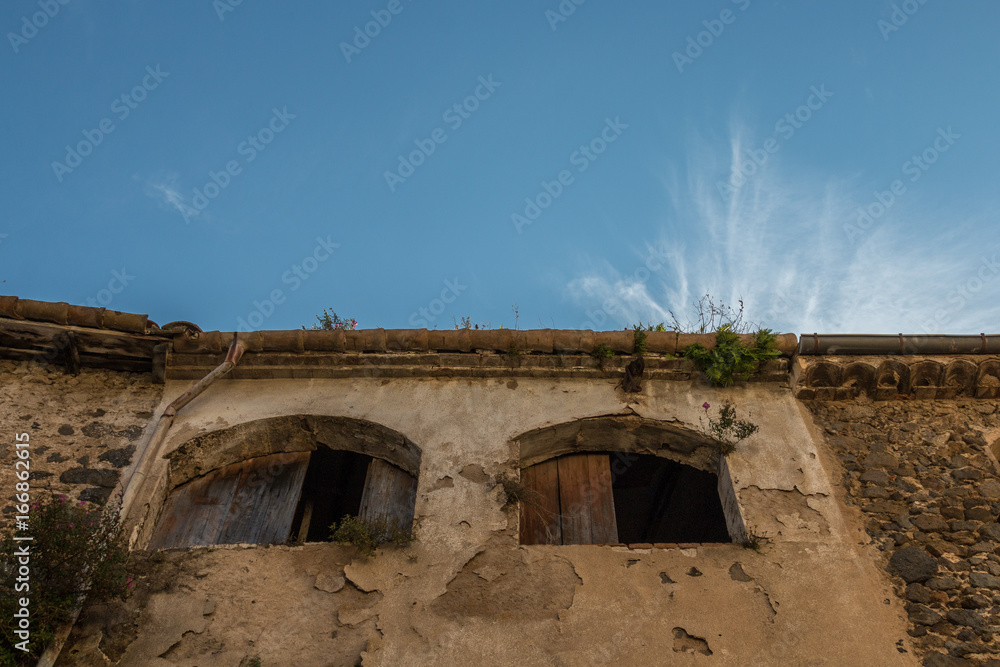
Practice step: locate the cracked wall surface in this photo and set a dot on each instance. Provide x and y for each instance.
(465, 592)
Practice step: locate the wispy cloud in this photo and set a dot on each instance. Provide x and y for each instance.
(165, 189)
(779, 244)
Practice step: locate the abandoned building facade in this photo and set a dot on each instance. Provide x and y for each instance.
(563, 510)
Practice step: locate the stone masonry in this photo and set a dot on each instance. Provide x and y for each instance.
(928, 485)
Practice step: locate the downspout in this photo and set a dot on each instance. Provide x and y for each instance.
(139, 473)
(152, 450)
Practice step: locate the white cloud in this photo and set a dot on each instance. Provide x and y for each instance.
(164, 188)
(779, 244)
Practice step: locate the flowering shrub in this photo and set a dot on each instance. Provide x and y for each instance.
(75, 550)
(329, 321)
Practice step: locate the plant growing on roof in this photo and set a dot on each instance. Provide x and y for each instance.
(730, 357)
(329, 321)
(602, 352)
(711, 316)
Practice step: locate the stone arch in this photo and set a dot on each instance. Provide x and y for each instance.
(823, 374)
(960, 375)
(893, 378)
(988, 379)
(618, 433)
(926, 373)
(861, 375)
(290, 433)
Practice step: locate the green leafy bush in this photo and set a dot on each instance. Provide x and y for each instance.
(602, 352)
(369, 534)
(730, 357)
(727, 430)
(639, 340)
(76, 550)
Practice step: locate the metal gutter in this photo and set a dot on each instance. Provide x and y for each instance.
(847, 344)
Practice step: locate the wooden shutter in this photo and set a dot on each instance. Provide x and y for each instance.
(390, 493)
(570, 501)
(588, 505)
(252, 501)
(540, 520)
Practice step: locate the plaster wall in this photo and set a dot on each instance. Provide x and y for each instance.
(464, 592)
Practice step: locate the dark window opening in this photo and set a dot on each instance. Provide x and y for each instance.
(334, 485)
(585, 499)
(659, 500)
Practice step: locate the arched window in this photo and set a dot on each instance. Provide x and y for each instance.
(654, 482)
(290, 496)
(577, 499)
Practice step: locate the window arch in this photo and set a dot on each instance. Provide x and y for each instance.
(331, 467)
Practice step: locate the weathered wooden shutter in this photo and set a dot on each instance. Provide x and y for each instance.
(252, 501)
(570, 501)
(390, 493)
(588, 505)
(540, 520)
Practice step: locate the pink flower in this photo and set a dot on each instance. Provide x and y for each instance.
(706, 406)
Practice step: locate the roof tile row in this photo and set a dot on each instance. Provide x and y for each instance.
(64, 313)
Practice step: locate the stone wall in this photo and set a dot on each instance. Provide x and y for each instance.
(928, 485)
(83, 428)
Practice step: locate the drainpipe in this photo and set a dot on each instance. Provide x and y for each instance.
(152, 451)
(135, 481)
(833, 344)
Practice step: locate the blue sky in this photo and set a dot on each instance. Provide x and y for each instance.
(410, 163)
